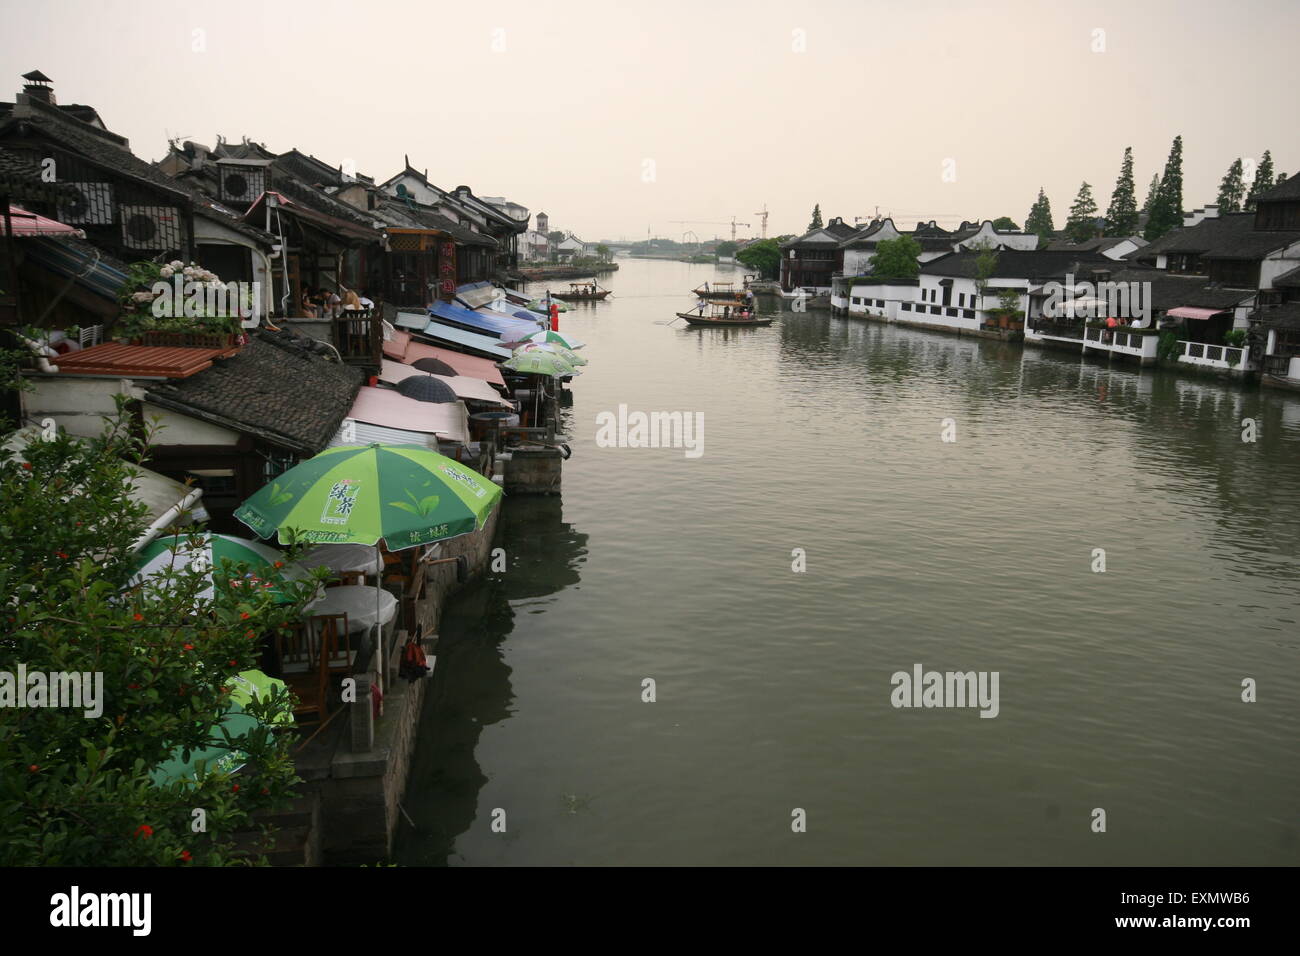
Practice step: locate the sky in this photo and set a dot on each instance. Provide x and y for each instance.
(622, 120)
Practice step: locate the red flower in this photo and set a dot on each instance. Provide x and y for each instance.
(234, 788)
(27, 466)
(188, 647)
(243, 616)
(61, 554)
(279, 564)
(233, 663)
(34, 767)
(250, 635)
(144, 830)
(185, 855)
(138, 616)
(132, 686)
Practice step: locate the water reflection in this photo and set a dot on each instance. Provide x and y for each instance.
(471, 684)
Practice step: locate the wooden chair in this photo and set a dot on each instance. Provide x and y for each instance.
(303, 673)
(293, 651)
(337, 655)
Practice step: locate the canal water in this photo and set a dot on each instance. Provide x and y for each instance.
(1119, 690)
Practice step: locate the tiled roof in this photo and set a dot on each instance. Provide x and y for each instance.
(1092, 245)
(111, 151)
(278, 387)
(1018, 264)
(1170, 291)
(1229, 236)
(1288, 280)
(1286, 316)
(1285, 191)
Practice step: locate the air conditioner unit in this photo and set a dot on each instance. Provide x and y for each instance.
(150, 227)
(92, 204)
(242, 185)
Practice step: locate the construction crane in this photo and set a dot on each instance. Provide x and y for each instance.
(763, 216)
(706, 222)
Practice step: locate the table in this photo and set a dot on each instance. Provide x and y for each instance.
(358, 602)
(342, 558)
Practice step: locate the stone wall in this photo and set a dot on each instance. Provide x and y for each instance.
(361, 794)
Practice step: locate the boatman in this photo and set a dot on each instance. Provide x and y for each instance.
(702, 304)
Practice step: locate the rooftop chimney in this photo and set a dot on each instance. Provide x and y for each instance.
(37, 86)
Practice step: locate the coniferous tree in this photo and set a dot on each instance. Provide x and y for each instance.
(1152, 191)
(816, 218)
(1167, 210)
(1231, 189)
(1081, 225)
(1039, 220)
(1262, 182)
(1122, 216)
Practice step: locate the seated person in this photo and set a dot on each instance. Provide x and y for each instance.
(308, 302)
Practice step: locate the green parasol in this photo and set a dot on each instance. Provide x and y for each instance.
(219, 758)
(537, 362)
(207, 553)
(402, 495)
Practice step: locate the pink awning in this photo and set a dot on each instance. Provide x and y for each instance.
(29, 224)
(462, 385)
(469, 365)
(383, 406)
(1188, 312)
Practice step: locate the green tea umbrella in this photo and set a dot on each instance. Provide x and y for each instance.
(570, 356)
(537, 362)
(543, 305)
(568, 341)
(218, 757)
(402, 495)
(207, 553)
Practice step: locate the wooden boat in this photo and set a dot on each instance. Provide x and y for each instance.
(582, 292)
(724, 315)
(723, 293)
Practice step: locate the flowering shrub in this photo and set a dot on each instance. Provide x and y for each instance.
(175, 297)
(75, 790)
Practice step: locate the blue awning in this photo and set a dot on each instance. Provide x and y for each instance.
(76, 262)
(469, 342)
(502, 328)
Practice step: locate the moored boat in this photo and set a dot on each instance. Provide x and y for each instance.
(724, 315)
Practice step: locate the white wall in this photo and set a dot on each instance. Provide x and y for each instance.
(1278, 263)
(177, 429)
(77, 403)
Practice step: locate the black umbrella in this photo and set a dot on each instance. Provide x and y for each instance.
(433, 366)
(426, 388)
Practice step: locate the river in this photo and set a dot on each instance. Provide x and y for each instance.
(1118, 690)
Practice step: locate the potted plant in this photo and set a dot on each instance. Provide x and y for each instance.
(168, 304)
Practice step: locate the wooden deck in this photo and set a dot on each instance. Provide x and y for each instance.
(139, 360)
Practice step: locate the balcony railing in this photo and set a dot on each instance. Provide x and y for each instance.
(1057, 329)
(1215, 356)
(1126, 343)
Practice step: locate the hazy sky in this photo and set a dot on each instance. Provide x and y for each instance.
(618, 117)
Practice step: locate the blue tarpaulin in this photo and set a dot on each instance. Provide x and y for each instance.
(502, 328)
